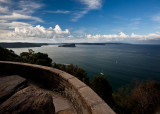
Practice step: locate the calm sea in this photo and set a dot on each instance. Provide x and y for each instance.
(120, 63)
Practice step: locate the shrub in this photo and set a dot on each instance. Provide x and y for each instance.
(146, 97)
(102, 87)
(8, 55)
(123, 100)
(36, 58)
(76, 71)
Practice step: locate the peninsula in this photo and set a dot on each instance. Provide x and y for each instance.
(21, 44)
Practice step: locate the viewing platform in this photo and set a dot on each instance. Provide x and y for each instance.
(29, 88)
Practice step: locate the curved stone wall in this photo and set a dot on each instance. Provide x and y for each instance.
(85, 100)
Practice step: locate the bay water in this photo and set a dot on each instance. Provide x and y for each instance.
(122, 64)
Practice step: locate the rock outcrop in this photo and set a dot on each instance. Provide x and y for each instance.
(17, 98)
(28, 101)
(9, 85)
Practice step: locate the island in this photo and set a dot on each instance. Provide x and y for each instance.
(67, 45)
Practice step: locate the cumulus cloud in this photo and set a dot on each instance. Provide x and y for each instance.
(110, 37)
(27, 31)
(124, 37)
(15, 19)
(58, 30)
(89, 5)
(24, 30)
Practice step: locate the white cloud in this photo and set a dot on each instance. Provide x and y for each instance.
(58, 30)
(19, 10)
(134, 24)
(110, 36)
(89, 5)
(16, 16)
(59, 33)
(124, 37)
(59, 11)
(156, 18)
(28, 32)
(79, 15)
(12, 25)
(28, 6)
(92, 4)
(5, 1)
(24, 30)
(3, 21)
(3, 9)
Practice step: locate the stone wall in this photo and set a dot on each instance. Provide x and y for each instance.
(85, 100)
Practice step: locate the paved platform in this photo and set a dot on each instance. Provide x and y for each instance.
(16, 91)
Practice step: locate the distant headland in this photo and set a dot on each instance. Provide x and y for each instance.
(27, 44)
(21, 45)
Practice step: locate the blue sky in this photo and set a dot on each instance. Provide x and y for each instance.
(131, 21)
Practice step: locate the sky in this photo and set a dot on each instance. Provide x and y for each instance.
(60, 21)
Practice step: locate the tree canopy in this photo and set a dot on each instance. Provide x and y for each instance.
(76, 71)
(102, 87)
(27, 57)
(8, 55)
(36, 58)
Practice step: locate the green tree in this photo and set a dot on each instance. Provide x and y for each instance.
(8, 55)
(123, 102)
(102, 87)
(146, 96)
(36, 58)
(41, 59)
(143, 98)
(76, 71)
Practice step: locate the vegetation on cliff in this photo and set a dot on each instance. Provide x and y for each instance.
(20, 44)
(143, 98)
(102, 87)
(27, 57)
(36, 58)
(8, 55)
(80, 73)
